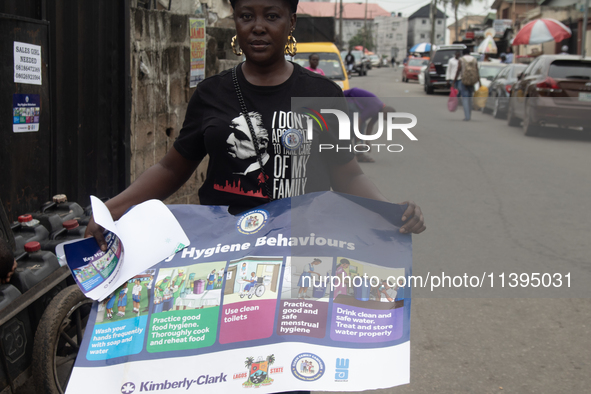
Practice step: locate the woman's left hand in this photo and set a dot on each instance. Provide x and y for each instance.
(415, 223)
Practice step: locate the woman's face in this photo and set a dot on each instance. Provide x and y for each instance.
(262, 27)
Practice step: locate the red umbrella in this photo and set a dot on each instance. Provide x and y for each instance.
(541, 30)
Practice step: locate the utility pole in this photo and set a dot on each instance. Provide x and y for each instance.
(341, 39)
(365, 29)
(584, 41)
(433, 14)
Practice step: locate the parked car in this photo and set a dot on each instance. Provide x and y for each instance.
(375, 61)
(361, 62)
(488, 71)
(330, 61)
(499, 90)
(435, 73)
(412, 69)
(553, 89)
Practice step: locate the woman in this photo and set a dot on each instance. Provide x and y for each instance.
(306, 278)
(314, 59)
(342, 273)
(236, 175)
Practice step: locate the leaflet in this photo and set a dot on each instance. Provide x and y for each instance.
(297, 294)
(145, 235)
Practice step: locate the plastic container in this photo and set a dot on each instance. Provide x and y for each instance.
(27, 230)
(17, 339)
(362, 292)
(70, 230)
(32, 269)
(198, 286)
(54, 213)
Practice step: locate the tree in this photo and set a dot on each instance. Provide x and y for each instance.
(361, 37)
(271, 359)
(248, 362)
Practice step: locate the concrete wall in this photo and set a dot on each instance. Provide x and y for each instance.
(160, 88)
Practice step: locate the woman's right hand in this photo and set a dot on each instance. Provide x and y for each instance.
(96, 231)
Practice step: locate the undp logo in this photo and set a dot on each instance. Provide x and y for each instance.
(128, 388)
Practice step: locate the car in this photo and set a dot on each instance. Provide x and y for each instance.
(413, 67)
(499, 90)
(488, 71)
(553, 90)
(435, 72)
(330, 61)
(374, 61)
(361, 62)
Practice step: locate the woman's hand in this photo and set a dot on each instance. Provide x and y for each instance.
(96, 231)
(415, 223)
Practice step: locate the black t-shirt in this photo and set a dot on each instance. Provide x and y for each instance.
(293, 166)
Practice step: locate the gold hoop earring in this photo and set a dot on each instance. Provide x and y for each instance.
(235, 48)
(291, 46)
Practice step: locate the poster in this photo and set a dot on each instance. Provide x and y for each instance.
(238, 309)
(197, 51)
(27, 63)
(26, 110)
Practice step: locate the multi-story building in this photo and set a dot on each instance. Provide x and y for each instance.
(391, 36)
(419, 27)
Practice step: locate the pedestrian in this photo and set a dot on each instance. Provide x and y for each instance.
(509, 55)
(469, 75)
(350, 63)
(314, 59)
(368, 107)
(452, 69)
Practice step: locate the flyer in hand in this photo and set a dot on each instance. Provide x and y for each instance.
(303, 293)
(145, 235)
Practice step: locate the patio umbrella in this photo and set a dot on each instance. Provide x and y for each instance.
(422, 47)
(541, 30)
(487, 45)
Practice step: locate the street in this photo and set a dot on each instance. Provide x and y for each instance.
(495, 201)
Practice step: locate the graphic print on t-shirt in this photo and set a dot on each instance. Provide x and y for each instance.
(288, 165)
(241, 147)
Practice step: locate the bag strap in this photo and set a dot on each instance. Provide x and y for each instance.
(252, 133)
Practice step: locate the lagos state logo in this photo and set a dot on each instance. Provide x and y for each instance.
(258, 371)
(252, 221)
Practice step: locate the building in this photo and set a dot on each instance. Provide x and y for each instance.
(391, 32)
(464, 25)
(355, 16)
(419, 27)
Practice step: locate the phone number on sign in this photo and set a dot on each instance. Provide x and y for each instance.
(535, 279)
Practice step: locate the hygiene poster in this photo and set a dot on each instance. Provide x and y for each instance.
(303, 293)
(197, 33)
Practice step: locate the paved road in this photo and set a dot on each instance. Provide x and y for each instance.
(494, 201)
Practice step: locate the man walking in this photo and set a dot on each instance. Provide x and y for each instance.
(469, 75)
(452, 70)
(349, 62)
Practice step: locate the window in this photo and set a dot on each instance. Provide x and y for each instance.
(395, 25)
(438, 35)
(424, 21)
(422, 36)
(438, 21)
(398, 37)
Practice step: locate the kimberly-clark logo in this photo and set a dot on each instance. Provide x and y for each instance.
(344, 131)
